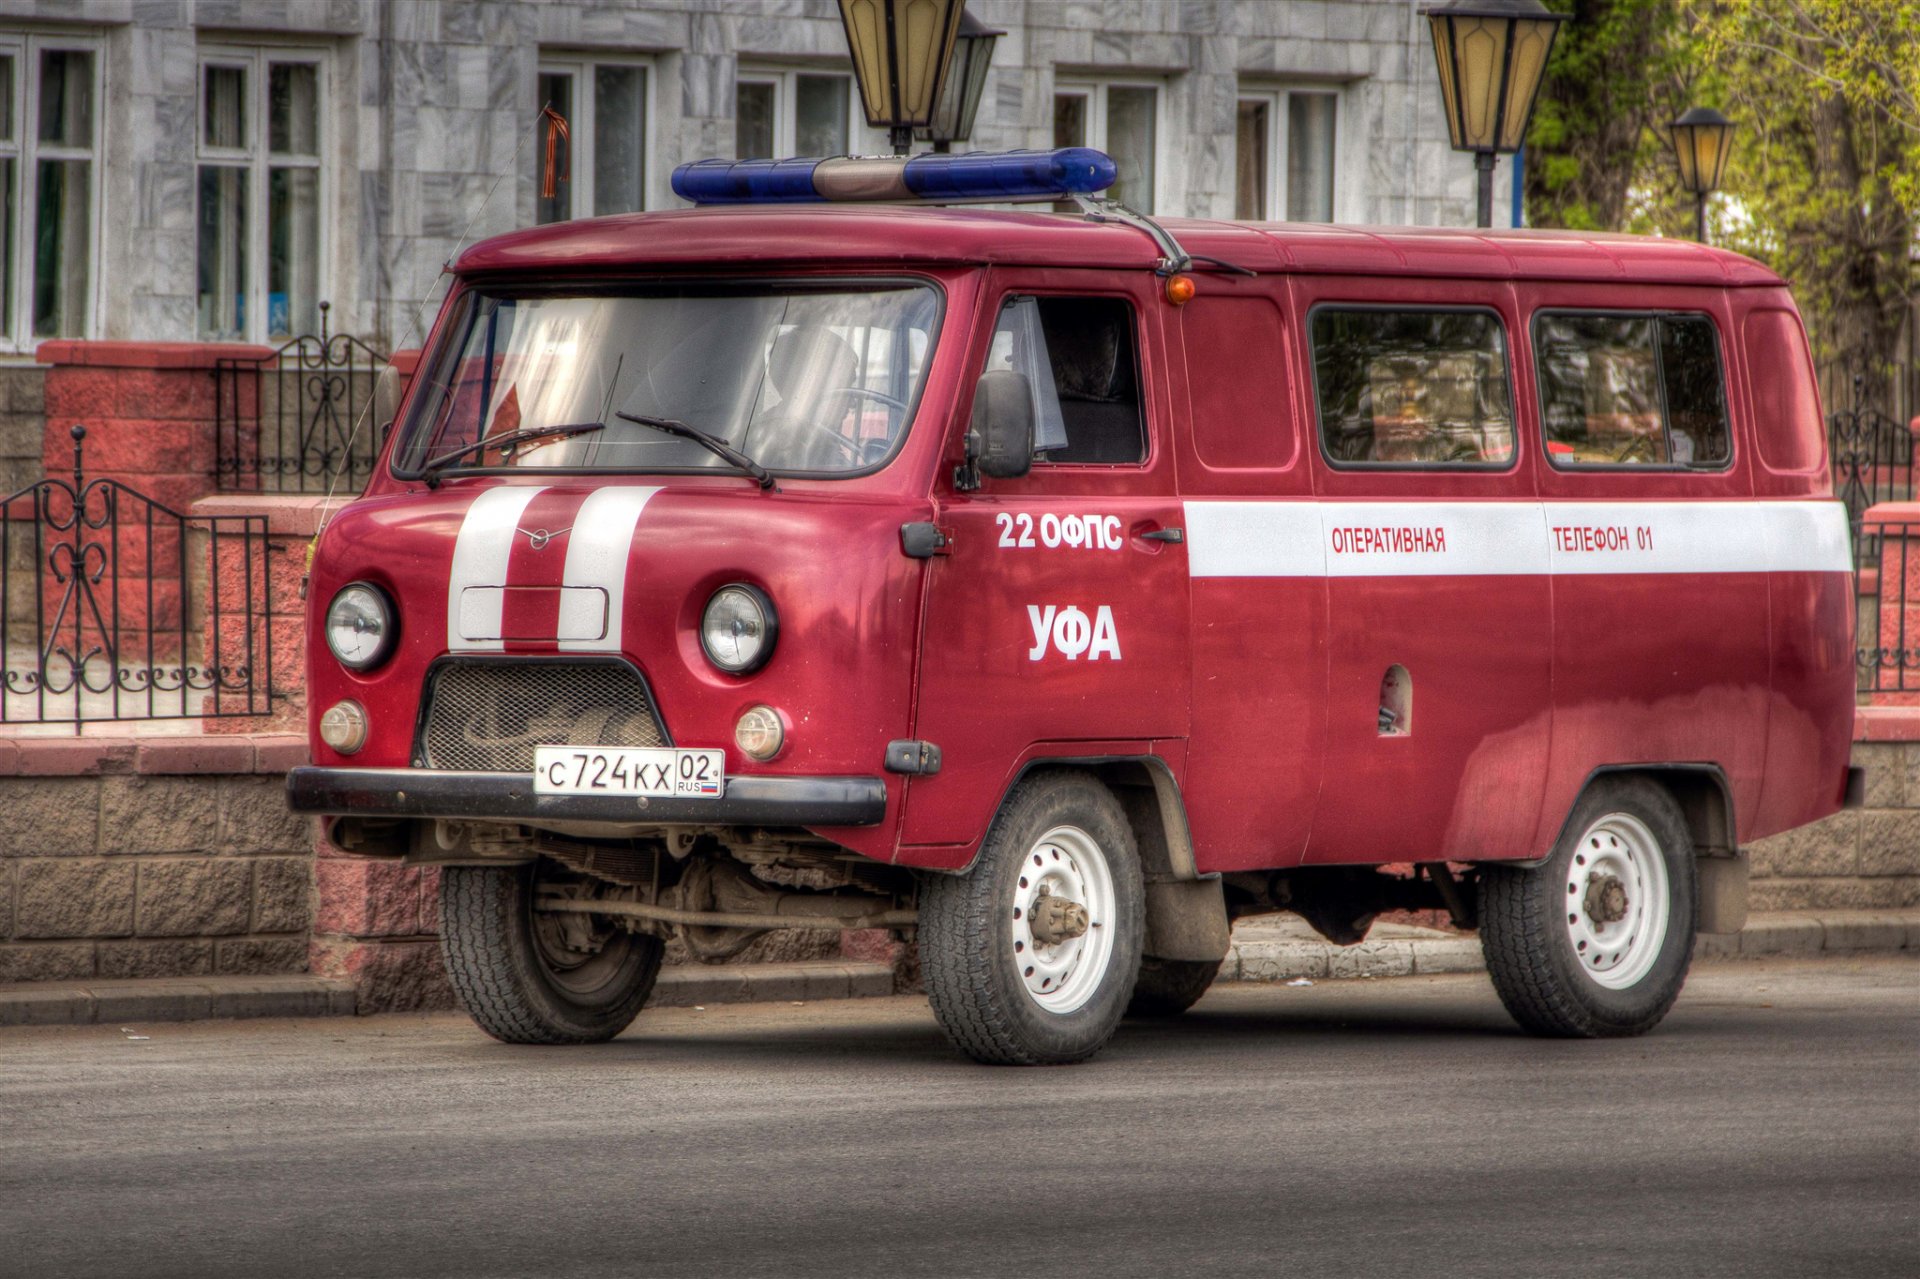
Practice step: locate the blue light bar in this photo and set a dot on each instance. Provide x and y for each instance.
(979, 175)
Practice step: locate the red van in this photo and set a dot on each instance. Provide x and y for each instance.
(1055, 588)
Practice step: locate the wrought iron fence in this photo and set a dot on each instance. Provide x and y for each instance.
(300, 418)
(115, 607)
(1888, 592)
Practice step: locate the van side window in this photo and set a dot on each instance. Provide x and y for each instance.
(1078, 356)
(1631, 390)
(1412, 388)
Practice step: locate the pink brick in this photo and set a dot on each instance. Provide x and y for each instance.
(430, 899)
(277, 753)
(75, 393)
(9, 758)
(184, 755)
(366, 898)
(74, 756)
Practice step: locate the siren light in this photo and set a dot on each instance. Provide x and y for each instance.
(976, 175)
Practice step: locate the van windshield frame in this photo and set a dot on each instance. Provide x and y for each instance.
(622, 374)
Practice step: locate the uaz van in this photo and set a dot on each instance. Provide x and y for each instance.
(1053, 589)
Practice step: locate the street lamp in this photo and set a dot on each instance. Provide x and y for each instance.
(1700, 145)
(1492, 56)
(901, 49)
(960, 97)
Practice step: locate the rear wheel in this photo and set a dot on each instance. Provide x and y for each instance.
(1596, 941)
(1168, 987)
(1030, 957)
(537, 977)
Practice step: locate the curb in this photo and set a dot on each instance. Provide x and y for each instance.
(303, 995)
(1781, 934)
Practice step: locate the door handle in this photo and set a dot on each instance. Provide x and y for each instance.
(1172, 536)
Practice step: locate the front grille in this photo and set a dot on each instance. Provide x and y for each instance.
(488, 716)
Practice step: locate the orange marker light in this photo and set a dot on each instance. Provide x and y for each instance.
(1180, 289)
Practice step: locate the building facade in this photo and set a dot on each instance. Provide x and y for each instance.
(213, 170)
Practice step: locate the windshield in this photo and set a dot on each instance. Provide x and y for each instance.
(809, 381)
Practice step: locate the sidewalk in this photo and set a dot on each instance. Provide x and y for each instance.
(1269, 949)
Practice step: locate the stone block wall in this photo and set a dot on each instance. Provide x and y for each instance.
(23, 413)
(152, 857)
(1862, 859)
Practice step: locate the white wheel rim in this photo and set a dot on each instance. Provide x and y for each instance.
(1062, 976)
(1616, 936)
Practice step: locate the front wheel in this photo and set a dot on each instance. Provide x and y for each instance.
(528, 976)
(1596, 941)
(1030, 957)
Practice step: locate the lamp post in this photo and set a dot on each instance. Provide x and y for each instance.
(1700, 140)
(959, 101)
(901, 50)
(1492, 55)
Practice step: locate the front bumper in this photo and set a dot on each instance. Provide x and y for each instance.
(509, 797)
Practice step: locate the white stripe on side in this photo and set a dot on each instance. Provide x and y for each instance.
(480, 555)
(598, 551)
(1305, 538)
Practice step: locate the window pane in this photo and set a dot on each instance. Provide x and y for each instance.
(1599, 389)
(1696, 406)
(1077, 355)
(293, 251)
(60, 278)
(1310, 157)
(1130, 141)
(223, 119)
(752, 120)
(820, 114)
(221, 259)
(1069, 119)
(556, 91)
(6, 97)
(7, 174)
(66, 97)
(293, 114)
(1250, 149)
(619, 139)
(1420, 387)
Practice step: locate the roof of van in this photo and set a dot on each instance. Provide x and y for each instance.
(928, 235)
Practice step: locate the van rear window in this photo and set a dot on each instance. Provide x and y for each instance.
(1631, 390)
(1412, 388)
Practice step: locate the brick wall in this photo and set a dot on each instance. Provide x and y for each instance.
(1863, 859)
(23, 416)
(151, 858)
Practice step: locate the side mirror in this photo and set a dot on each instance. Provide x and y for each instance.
(1000, 439)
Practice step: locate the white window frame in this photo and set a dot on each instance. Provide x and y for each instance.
(786, 104)
(1095, 91)
(27, 151)
(1275, 96)
(581, 125)
(256, 158)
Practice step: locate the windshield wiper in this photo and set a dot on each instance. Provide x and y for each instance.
(718, 447)
(431, 471)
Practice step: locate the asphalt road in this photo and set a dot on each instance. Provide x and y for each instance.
(1770, 1127)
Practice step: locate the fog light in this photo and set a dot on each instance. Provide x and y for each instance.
(760, 733)
(344, 727)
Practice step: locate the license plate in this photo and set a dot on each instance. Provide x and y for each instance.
(628, 770)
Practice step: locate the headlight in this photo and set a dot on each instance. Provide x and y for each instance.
(739, 628)
(759, 732)
(360, 627)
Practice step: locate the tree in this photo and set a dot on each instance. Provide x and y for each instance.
(1824, 181)
(1592, 133)
(1826, 162)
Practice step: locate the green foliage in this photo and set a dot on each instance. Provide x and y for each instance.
(1824, 179)
(1591, 132)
